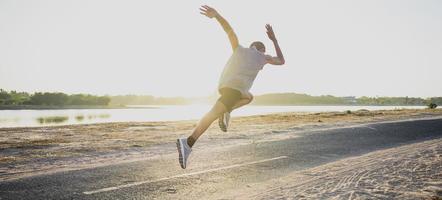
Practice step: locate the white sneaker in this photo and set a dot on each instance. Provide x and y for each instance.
(183, 151)
(223, 121)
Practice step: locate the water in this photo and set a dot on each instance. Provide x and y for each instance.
(32, 118)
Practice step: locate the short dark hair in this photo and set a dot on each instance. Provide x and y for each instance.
(258, 45)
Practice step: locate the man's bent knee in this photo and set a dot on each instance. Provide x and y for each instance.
(248, 97)
(251, 99)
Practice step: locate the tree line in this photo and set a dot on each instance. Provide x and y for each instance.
(62, 99)
(304, 99)
(51, 99)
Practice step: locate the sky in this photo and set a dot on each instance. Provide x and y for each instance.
(166, 48)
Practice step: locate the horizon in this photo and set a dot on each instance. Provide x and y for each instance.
(340, 48)
(210, 96)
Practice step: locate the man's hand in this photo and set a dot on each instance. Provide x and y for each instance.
(279, 59)
(212, 13)
(270, 32)
(208, 11)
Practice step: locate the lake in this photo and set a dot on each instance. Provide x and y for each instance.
(32, 118)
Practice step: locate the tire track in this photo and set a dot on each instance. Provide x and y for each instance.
(377, 175)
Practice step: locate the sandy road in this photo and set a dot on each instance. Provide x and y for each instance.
(260, 170)
(412, 171)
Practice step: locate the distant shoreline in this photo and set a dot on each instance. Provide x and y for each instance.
(40, 107)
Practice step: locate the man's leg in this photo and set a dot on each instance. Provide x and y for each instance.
(224, 119)
(217, 110)
(245, 99)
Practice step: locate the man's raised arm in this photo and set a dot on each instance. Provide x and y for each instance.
(279, 59)
(211, 13)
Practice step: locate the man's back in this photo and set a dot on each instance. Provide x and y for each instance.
(242, 68)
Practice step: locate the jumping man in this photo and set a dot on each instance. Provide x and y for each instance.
(235, 82)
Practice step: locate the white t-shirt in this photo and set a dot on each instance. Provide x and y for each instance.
(241, 69)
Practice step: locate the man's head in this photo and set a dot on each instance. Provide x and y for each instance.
(259, 46)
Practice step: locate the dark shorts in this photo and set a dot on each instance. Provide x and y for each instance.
(229, 97)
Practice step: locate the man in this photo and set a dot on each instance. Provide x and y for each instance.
(236, 80)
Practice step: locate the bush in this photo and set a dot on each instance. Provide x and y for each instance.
(50, 99)
(432, 106)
